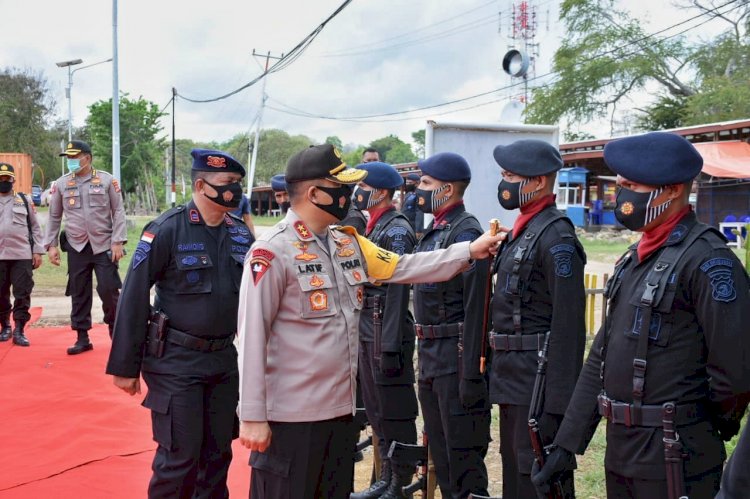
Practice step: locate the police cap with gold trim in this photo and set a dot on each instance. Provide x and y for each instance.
(76, 147)
(7, 169)
(322, 161)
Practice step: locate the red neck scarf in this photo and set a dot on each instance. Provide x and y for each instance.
(530, 210)
(441, 215)
(653, 239)
(375, 215)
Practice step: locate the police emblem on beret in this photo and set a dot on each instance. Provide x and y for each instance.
(627, 208)
(719, 270)
(563, 254)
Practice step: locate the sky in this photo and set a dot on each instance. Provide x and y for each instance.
(375, 57)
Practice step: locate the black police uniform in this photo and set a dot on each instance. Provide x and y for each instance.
(447, 314)
(695, 359)
(550, 297)
(355, 218)
(389, 397)
(193, 387)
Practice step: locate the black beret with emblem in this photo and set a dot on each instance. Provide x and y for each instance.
(381, 175)
(528, 158)
(278, 183)
(323, 161)
(211, 160)
(446, 166)
(656, 158)
(76, 147)
(7, 169)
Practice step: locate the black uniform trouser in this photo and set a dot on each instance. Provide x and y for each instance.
(310, 460)
(19, 274)
(194, 421)
(517, 454)
(108, 284)
(458, 438)
(702, 486)
(391, 408)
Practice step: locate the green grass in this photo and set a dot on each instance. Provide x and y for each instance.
(266, 221)
(51, 280)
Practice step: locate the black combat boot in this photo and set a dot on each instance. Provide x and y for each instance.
(399, 480)
(5, 332)
(377, 488)
(18, 337)
(83, 344)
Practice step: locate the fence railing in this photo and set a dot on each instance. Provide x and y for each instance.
(594, 294)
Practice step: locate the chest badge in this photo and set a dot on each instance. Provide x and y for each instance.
(360, 295)
(316, 281)
(304, 256)
(318, 301)
(357, 275)
(345, 252)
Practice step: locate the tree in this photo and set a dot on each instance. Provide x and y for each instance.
(335, 142)
(393, 150)
(141, 147)
(606, 57)
(26, 108)
(419, 142)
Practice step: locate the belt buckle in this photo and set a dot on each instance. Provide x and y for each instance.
(420, 332)
(628, 415)
(606, 404)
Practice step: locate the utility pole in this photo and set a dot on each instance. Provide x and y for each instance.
(115, 98)
(174, 156)
(254, 152)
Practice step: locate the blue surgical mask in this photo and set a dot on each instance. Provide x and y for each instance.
(74, 165)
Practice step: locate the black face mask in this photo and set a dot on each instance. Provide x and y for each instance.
(342, 200)
(364, 200)
(6, 186)
(228, 195)
(426, 200)
(634, 210)
(510, 196)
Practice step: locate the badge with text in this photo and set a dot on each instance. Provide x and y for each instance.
(260, 262)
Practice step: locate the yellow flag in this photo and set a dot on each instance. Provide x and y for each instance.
(380, 263)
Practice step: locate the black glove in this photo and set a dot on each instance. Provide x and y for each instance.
(559, 461)
(472, 392)
(390, 364)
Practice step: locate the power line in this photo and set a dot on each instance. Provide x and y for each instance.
(365, 118)
(283, 63)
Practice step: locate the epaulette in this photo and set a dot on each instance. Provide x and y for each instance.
(168, 214)
(274, 231)
(235, 217)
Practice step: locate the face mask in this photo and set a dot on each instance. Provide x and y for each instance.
(364, 200)
(510, 196)
(410, 187)
(427, 201)
(634, 210)
(74, 165)
(342, 200)
(6, 186)
(228, 195)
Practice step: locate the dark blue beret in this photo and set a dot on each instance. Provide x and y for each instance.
(209, 160)
(446, 166)
(528, 157)
(278, 182)
(381, 175)
(656, 158)
(414, 177)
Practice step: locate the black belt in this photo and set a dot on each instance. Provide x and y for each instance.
(517, 342)
(438, 331)
(195, 343)
(650, 415)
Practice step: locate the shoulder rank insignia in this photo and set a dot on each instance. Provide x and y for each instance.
(194, 216)
(302, 231)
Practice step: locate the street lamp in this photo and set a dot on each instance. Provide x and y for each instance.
(68, 64)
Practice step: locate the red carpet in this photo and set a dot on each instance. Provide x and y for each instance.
(66, 431)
